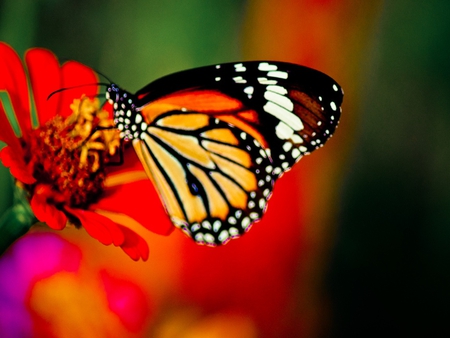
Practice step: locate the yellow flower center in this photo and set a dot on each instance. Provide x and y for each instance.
(70, 154)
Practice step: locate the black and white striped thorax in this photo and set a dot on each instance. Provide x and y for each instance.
(126, 118)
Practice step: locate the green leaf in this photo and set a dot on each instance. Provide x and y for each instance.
(16, 221)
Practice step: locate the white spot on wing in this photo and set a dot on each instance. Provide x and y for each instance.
(223, 236)
(277, 89)
(296, 139)
(239, 79)
(262, 203)
(240, 67)
(281, 100)
(265, 66)
(245, 222)
(233, 231)
(279, 74)
(287, 146)
(283, 131)
(284, 115)
(265, 81)
(206, 225)
(209, 238)
(295, 153)
(216, 225)
(249, 90)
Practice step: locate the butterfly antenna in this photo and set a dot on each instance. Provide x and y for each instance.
(79, 86)
(101, 74)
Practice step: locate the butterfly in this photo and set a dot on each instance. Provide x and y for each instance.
(213, 140)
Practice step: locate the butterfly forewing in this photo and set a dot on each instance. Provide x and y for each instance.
(214, 139)
(292, 110)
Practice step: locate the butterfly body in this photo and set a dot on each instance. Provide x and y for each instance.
(214, 139)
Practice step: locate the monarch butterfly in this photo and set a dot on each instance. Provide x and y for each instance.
(215, 139)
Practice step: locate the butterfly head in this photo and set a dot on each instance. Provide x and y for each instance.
(113, 93)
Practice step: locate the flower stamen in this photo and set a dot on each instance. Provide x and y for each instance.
(70, 154)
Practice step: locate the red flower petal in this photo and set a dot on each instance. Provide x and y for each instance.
(46, 212)
(100, 227)
(76, 74)
(141, 203)
(6, 132)
(109, 232)
(134, 245)
(13, 80)
(14, 161)
(45, 78)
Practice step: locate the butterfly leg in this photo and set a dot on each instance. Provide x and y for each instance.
(120, 160)
(120, 149)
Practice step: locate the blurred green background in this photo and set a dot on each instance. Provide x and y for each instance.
(390, 274)
(388, 269)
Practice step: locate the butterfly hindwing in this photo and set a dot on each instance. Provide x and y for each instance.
(213, 178)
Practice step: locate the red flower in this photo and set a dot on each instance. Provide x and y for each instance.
(58, 156)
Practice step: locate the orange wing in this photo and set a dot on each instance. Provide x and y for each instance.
(209, 102)
(214, 179)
